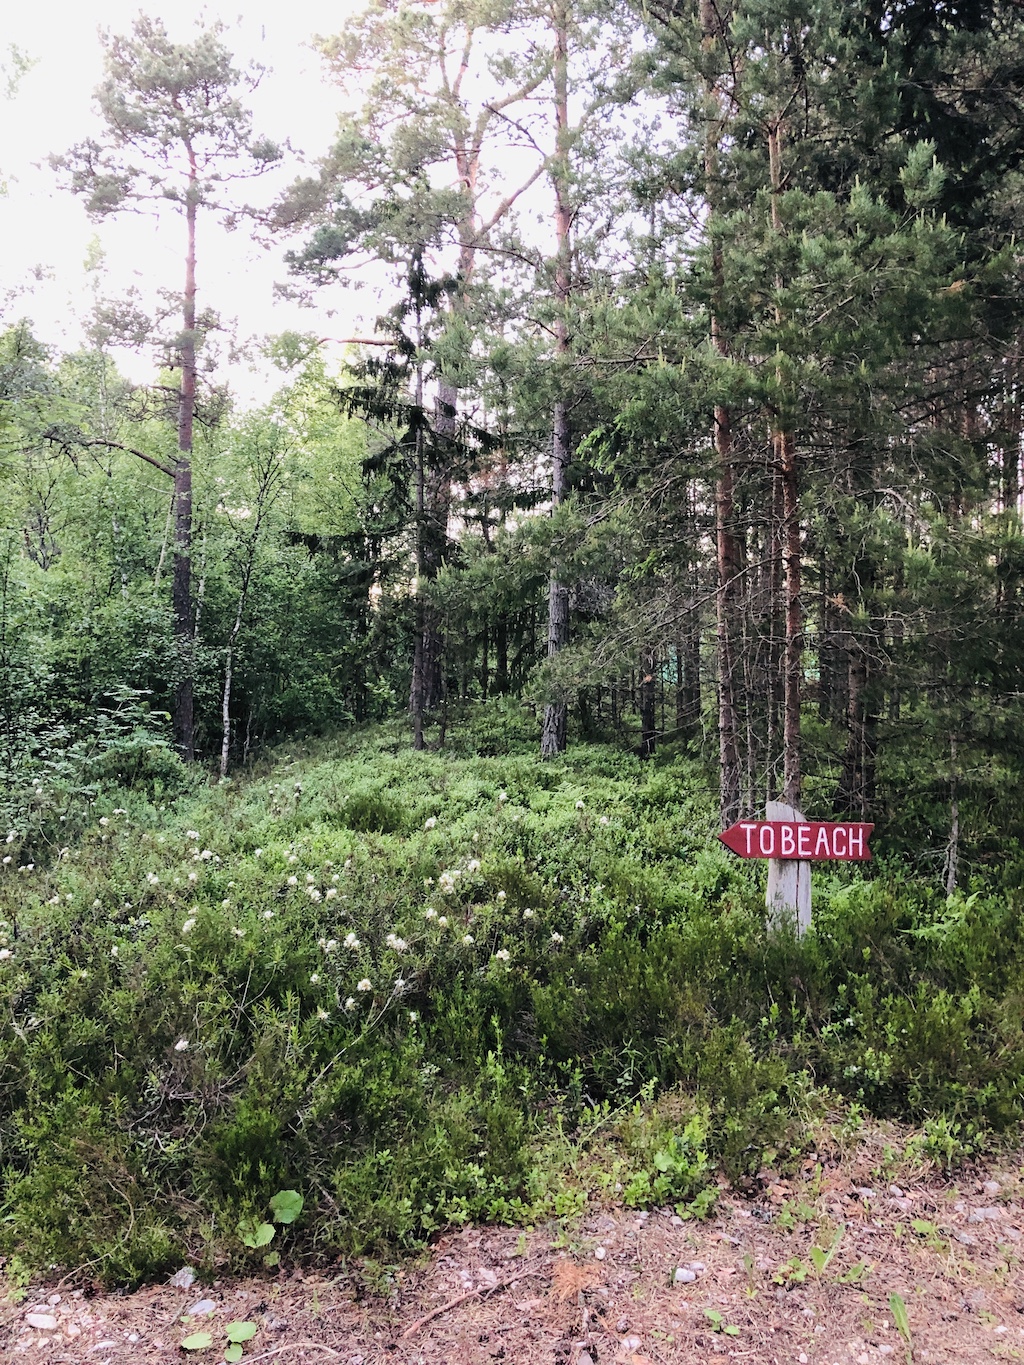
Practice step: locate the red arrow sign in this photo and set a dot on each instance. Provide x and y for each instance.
(807, 841)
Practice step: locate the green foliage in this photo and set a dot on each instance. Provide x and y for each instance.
(217, 1004)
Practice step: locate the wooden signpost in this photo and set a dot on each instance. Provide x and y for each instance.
(791, 843)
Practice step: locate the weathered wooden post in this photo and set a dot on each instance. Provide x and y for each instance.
(788, 897)
(791, 843)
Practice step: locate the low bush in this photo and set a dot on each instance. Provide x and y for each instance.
(385, 980)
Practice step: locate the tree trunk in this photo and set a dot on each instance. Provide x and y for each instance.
(727, 556)
(648, 721)
(553, 733)
(181, 583)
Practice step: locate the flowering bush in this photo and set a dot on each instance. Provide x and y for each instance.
(238, 995)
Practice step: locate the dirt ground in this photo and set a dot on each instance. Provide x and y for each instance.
(616, 1286)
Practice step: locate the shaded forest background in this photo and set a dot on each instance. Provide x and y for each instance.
(695, 423)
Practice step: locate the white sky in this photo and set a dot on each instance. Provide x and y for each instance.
(43, 227)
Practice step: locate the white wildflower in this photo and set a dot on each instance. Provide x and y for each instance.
(350, 942)
(350, 1003)
(5, 953)
(399, 984)
(442, 921)
(193, 876)
(257, 853)
(336, 878)
(113, 950)
(603, 820)
(322, 1015)
(96, 905)
(191, 834)
(430, 913)
(430, 823)
(293, 857)
(501, 896)
(527, 913)
(207, 854)
(503, 954)
(467, 939)
(503, 796)
(313, 892)
(293, 881)
(104, 820)
(238, 933)
(12, 834)
(268, 914)
(310, 877)
(414, 1016)
(330, 945)
(557, 938)
(347, 864)
(225, 905)
(473, 865)
(189, 925)
(314, 978)
(181, 1045)
(54, 900)
(7, 859)
(330, 893)
(364, 985)
(398, 944)
(579, 805)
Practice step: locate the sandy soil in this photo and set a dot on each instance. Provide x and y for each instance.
(615, 1286)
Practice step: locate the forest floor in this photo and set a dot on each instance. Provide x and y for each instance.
(618, 1287)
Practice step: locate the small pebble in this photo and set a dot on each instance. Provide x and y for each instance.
(600, 1254)
(676, 1221)
(895, 1191)
(201, 1308)
(42, 1322)
(965, 1239)
(622, 1325)
(684, 1276)
(698, 1267)
(991, 1188)
(886, 1350)
(985, 1216)
(53, 1300)
(72, 1330)
(628, 1344)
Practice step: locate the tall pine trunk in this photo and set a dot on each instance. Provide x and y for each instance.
(181, 583)
(727, 596)
(553, 733)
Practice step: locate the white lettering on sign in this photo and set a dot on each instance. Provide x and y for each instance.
(767, 849)
(803, 840)
(748, 828)
(840, 832)
(856, 842)
(788, 841)
(821, 848)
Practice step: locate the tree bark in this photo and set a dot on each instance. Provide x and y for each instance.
(648, 720)
(181, 582)
(553, 733)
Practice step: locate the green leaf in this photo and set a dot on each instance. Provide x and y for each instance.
(241, 1331)
(198, 1341)
(271, 1259)
(731, 1330)
(255, 1234)
(899, 1316)
(286, 1206)
(232, 1353)
(923, 1227)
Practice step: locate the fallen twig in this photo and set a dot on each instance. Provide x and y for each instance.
(463, 1298)
(293, 1346)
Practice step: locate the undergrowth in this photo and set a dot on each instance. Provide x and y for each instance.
(421, 989)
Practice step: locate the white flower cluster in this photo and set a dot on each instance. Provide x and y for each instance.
(399, 945)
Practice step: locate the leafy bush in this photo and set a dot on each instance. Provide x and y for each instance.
(383, 980)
